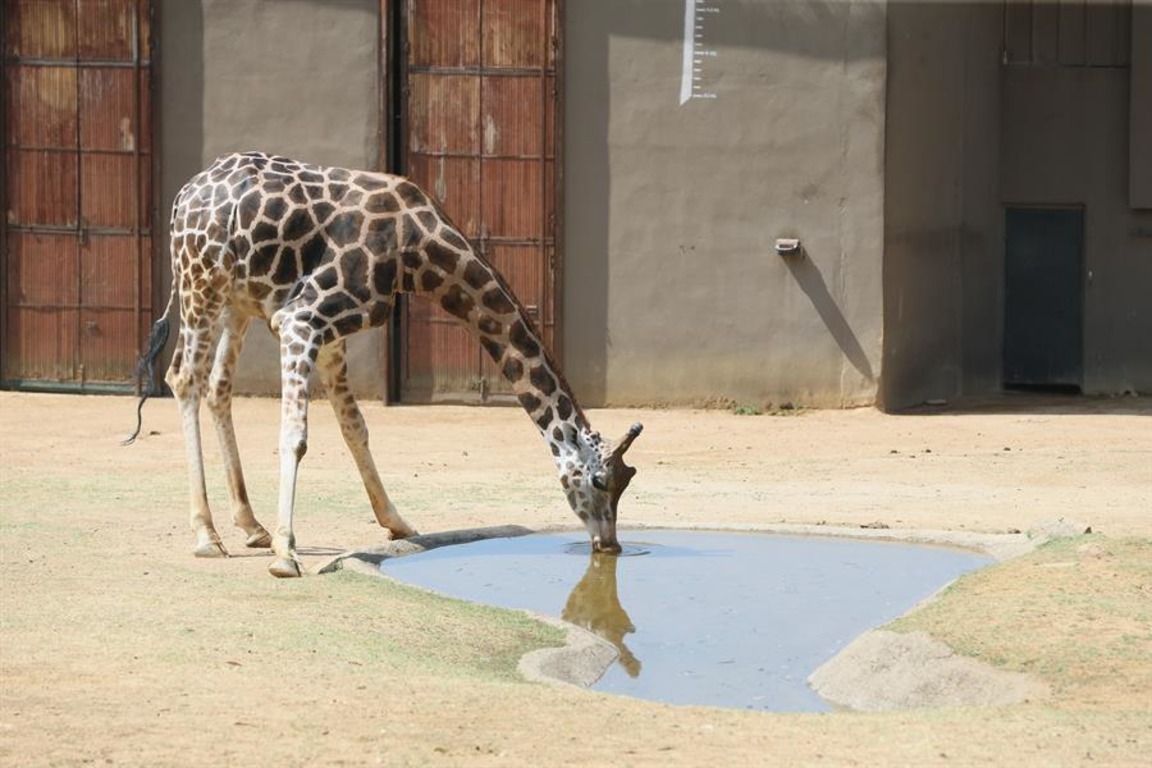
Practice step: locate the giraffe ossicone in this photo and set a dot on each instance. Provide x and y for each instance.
(318, 254)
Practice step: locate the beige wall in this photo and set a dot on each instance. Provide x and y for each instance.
(673, 292)
(294, 77)
(886, 136)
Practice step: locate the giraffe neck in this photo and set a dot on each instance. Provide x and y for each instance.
(462, 282)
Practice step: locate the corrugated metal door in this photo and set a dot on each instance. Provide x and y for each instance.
(77, 192)
(480, 102)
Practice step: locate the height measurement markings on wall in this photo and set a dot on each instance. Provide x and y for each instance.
(698, 57)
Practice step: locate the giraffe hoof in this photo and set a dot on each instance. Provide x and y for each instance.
(285, 568)
(261, 539)
(210, 549)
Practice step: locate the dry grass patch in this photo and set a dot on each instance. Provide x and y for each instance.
(1077, 612)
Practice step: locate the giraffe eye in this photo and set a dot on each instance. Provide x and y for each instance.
(600, 481)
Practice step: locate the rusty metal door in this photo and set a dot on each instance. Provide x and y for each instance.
(479, 91)
(77, 238)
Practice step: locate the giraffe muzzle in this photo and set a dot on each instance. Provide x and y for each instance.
(610, 546)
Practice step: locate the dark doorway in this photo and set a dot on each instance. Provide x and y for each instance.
(77, 193)
(479, 107)
(1044, 298)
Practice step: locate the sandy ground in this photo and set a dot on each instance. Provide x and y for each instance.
(116, 646)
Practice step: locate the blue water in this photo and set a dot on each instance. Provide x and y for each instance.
(720, 619)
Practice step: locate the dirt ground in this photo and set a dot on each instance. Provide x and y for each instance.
(118, 647)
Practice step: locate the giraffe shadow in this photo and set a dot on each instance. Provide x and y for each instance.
(318, 551)
(324, 553)
(331, 558)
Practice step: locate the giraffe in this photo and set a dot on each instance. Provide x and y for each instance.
(319, 253)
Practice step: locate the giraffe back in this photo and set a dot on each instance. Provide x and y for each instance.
(251, 226)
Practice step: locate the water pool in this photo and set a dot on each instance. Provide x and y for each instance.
(720, 619)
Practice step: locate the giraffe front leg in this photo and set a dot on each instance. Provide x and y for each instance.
(293, 445)
(220, 403)
(298, 348)
(334, 374)
(185, 376)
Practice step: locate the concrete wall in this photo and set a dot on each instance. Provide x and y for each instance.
(967, 136)
(886, 136)
(673, 292)
(1140, 107)
(294, 77)
(943, 223)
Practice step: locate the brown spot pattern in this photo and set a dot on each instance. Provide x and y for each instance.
(318, 254)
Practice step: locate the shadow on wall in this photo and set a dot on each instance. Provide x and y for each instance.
(180, 131)
(808, 277)
(182, 95)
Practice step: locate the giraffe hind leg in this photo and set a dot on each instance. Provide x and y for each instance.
(333, 370)
(220, 404)
(186, 376)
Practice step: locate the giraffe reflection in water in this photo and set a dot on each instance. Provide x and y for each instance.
(595, 605)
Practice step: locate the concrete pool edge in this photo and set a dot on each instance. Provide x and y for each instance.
(998, 546)
(879, 670)
(883, 671)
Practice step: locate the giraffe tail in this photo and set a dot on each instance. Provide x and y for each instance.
(145, 368)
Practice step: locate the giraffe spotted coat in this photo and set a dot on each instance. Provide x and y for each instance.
(318, 254)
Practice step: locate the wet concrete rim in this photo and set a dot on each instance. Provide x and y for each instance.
(880, 670)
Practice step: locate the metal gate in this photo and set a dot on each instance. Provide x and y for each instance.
(76, 297)
(480, 123)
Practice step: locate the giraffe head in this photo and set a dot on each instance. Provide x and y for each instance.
(594, 481)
